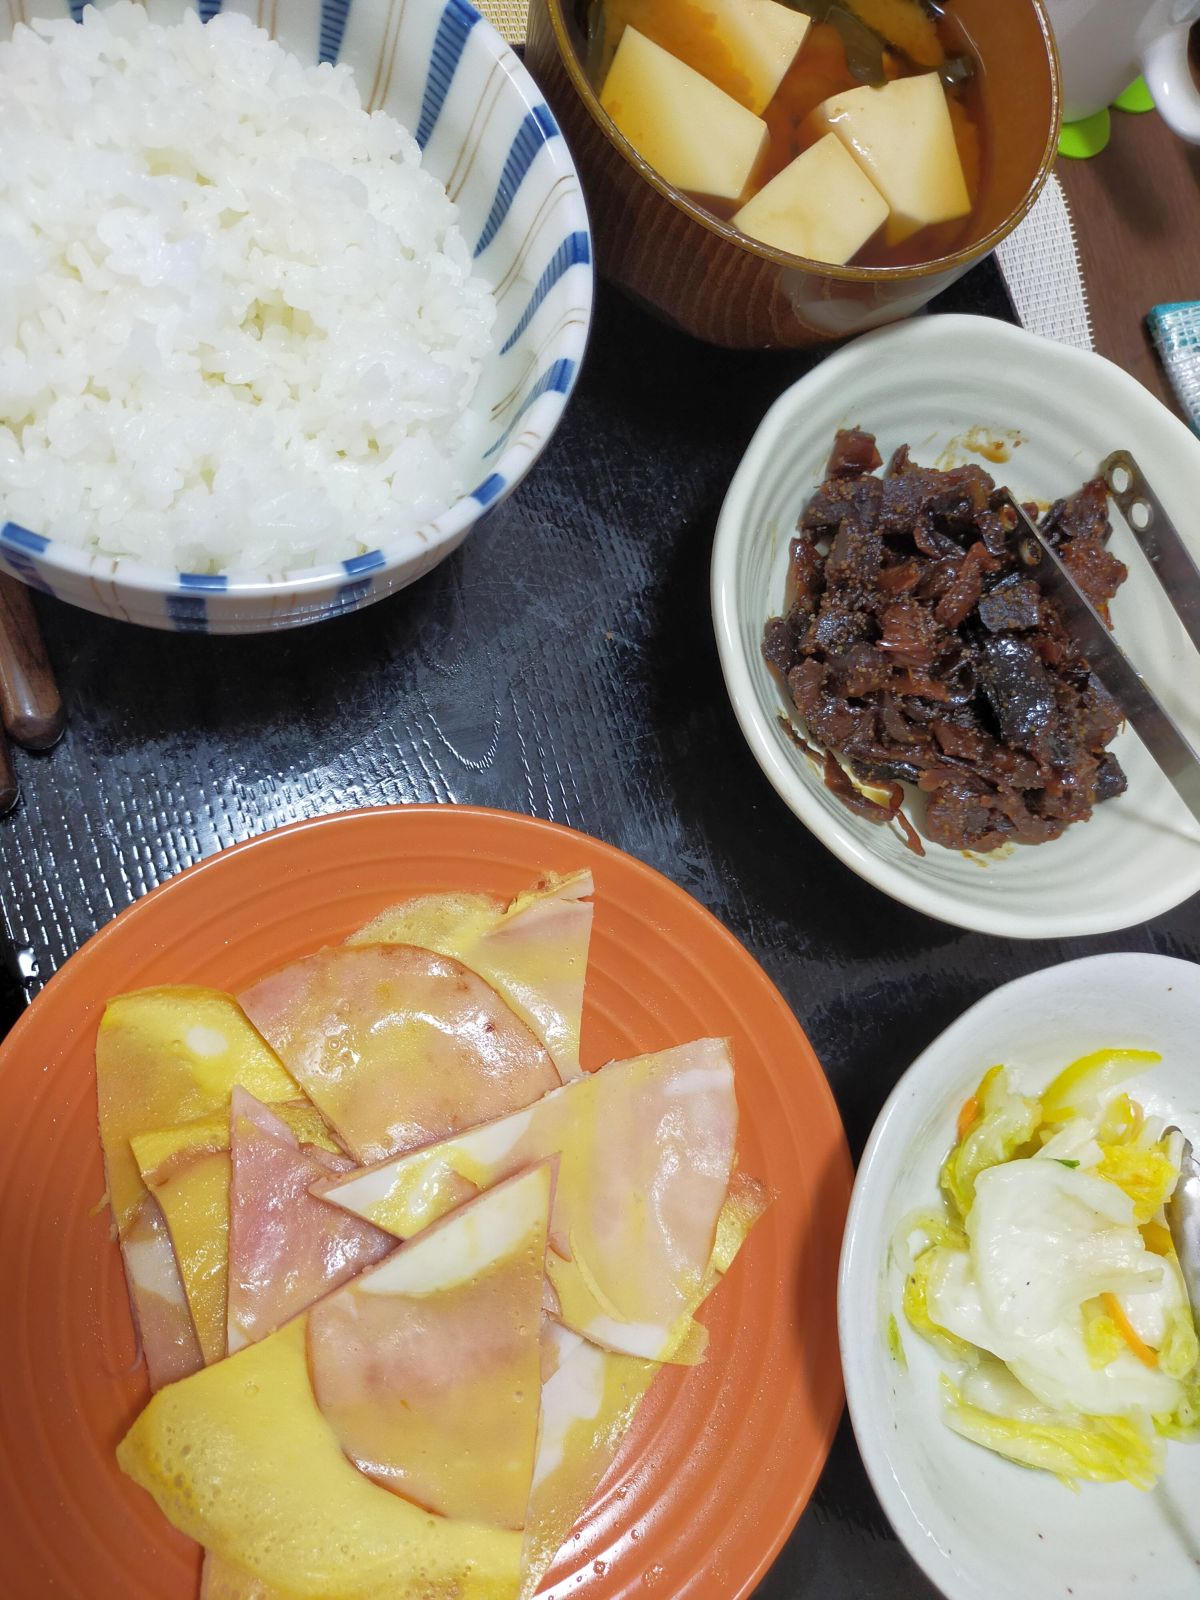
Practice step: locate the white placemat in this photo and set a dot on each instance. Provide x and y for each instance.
(1040, 264)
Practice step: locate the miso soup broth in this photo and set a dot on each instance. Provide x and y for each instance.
(848, 45)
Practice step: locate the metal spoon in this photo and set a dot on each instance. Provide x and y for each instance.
(1183, 1219)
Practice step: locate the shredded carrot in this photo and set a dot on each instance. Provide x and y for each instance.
(1128, 1332)
(966, 1116)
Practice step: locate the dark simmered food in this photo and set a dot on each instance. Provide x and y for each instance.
(917, 649)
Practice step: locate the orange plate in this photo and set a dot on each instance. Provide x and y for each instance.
(721, 1458)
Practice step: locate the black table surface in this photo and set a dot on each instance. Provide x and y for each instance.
(561, 663)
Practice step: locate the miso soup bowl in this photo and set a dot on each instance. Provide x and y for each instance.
(704, 277)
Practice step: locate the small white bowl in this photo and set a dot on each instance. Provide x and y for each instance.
(1060, 411)
(488, 135)
(982, 1527)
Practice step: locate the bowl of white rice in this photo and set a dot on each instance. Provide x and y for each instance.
(292, 295)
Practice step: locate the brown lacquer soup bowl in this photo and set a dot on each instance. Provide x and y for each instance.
(704, 277)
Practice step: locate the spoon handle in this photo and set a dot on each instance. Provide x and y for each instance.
(1183, 1219)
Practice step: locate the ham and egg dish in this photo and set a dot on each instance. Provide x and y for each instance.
(402, 1270)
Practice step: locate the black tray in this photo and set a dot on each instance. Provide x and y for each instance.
(561, 663)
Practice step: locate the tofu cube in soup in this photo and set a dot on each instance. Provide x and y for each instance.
(697, 136)
(758, 38)
(743, 46)
(822, 205)
(902, 137)
(764, 38)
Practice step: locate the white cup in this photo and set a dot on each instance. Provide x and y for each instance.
(1104, 44)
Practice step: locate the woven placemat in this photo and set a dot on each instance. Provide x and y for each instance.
(1039, 262)
(508, 17)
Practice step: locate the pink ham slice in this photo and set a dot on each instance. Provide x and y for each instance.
(397, 1046)
(533, 950)
(589, 1397)
(286, 1249)
(427, 1367)
(645, 1151)
(164, 1323)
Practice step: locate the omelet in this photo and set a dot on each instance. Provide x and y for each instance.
(253, 1456)
(165, 1057)
(266, 1486)
(221, 1580)
(168, 1056)
(589, 1398)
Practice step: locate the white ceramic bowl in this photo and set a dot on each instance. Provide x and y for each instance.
(488, 135)
(927, 383)
(981, 1527)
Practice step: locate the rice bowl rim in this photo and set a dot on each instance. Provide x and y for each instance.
(537, 427)
(459, 517)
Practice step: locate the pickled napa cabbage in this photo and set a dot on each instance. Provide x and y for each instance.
(1049, 1280)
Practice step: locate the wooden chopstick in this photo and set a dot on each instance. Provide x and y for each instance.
(9, 792)
(31, 707)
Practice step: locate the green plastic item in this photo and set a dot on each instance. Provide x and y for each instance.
(1136, 98)
(1086, 138)
(1079, 140)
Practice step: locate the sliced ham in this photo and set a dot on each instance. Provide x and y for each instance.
(397, 1046)
(187, 1170)
(589, 1397)
(427, 1367)
(588, 1402)
(160, 1308)
(286, 1249)
(533, 950)
(646, 1150)
(239, 1458)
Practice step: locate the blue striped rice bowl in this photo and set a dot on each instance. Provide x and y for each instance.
(488, 136)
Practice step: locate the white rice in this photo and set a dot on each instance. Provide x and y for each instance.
(238, 325)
